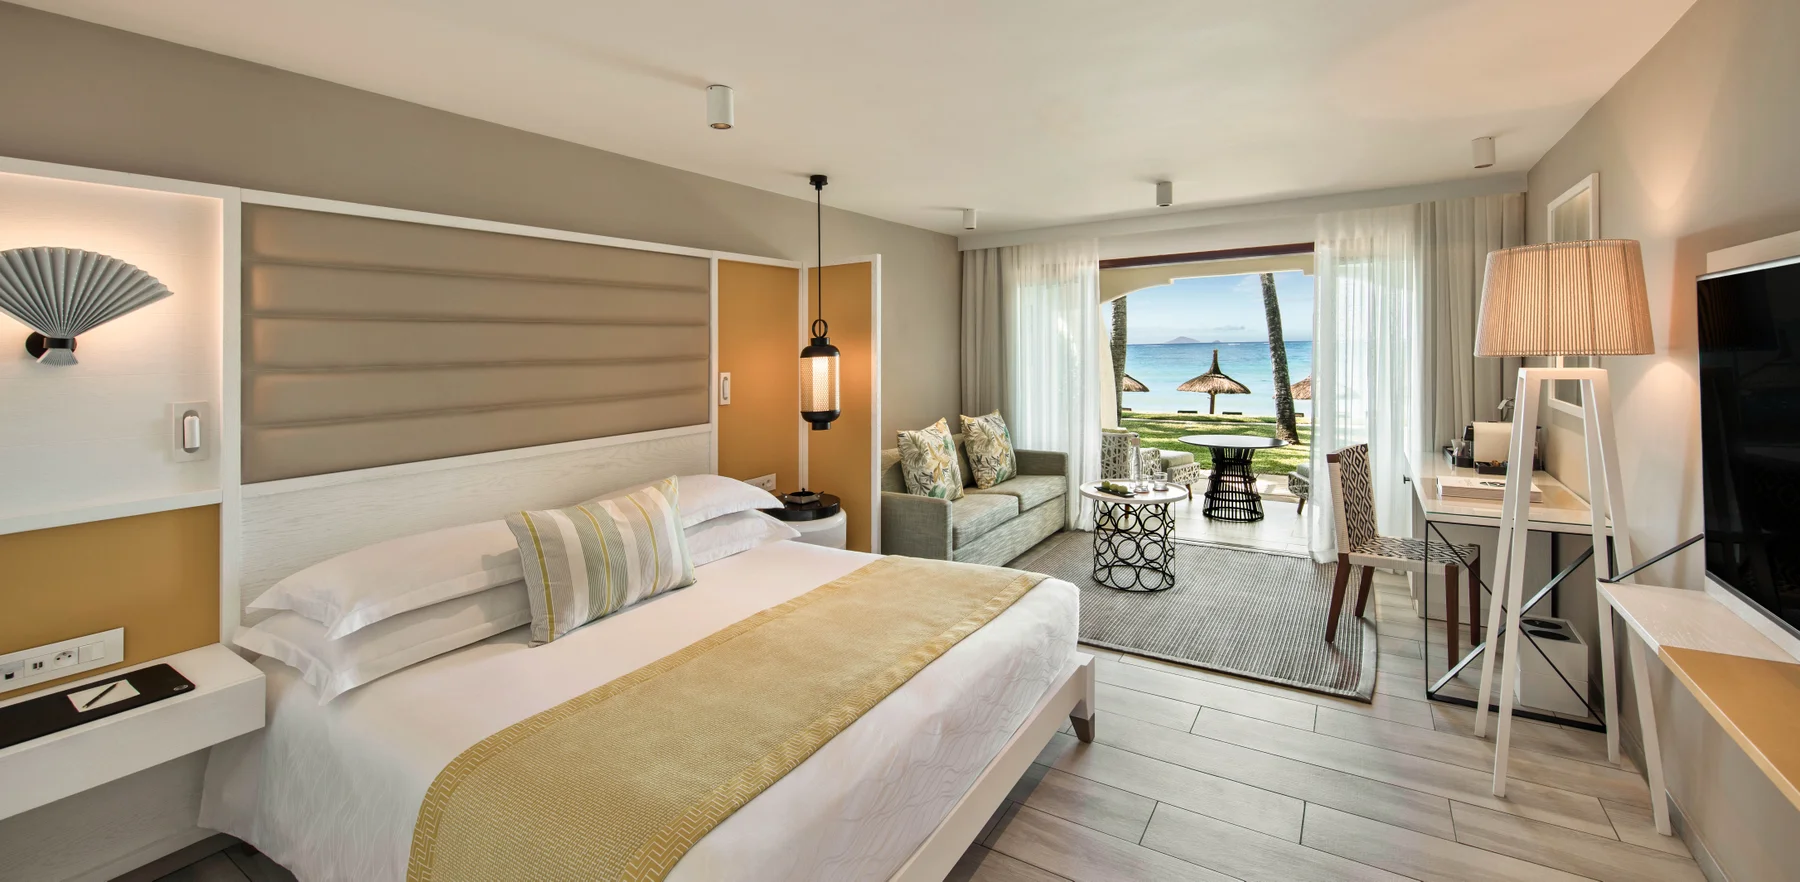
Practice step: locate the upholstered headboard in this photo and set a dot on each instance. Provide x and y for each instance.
(370, 342)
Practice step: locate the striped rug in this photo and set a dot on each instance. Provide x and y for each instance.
(1237, 612)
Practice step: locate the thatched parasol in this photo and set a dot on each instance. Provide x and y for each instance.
(1213, 384)
(1302, 390)
(1132, 385)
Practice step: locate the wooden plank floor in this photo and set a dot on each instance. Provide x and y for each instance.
(1200, 776)
(1196, 775)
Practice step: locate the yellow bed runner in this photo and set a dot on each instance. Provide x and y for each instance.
(618, 783)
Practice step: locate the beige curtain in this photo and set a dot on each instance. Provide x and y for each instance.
(1455, 236)
(983, 327)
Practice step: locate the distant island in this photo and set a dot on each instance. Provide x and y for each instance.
(1179, 340)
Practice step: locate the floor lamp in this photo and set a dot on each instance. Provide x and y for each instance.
(1565, 298)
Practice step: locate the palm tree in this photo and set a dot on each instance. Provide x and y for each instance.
(1284, 395)
(1118, 354)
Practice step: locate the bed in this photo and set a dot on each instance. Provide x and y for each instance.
(332, 791)
(404, 373)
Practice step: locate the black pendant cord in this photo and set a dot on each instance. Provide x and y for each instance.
(819, 326)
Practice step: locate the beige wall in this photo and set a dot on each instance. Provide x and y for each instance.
(86, 95)
(1696, 150)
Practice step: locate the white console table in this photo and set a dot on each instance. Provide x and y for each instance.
(226, 701)
(1750, 685)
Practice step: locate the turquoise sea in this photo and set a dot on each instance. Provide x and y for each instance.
(1163, 366)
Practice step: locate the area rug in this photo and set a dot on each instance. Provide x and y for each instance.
(1233, 611)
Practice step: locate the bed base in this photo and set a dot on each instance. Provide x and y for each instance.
(1071, 695)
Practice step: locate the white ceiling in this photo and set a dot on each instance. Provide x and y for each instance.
(1037, 112)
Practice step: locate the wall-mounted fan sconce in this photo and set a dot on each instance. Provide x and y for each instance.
(62, 293)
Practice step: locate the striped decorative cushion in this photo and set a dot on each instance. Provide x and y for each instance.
(594, 559)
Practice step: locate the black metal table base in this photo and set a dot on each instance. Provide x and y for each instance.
(1134, 546)
(1231, 491)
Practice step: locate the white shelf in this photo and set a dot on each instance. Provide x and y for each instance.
(227, 701)
(101, 511)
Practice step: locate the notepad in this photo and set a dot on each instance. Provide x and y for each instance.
(96, 697)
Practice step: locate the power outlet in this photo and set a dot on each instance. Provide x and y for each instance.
(766, 482)
(61, 659)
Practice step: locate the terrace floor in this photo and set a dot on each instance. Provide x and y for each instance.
(1281, 531)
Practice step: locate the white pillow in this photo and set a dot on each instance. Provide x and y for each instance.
(725, 536)
(704, 497)
(334, 667)
(362, 587)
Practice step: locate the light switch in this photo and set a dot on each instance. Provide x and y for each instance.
(91, 652)
(724, 387)
(191, 431)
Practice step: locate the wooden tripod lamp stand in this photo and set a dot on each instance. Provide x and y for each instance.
(1561, 299)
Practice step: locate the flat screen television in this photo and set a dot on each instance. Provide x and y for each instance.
(1749, 323)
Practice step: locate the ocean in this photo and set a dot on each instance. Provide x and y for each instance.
(1163, 366)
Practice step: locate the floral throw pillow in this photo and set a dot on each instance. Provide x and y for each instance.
(928, 462)
(990, 449)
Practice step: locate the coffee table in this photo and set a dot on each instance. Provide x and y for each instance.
(1134, 538)
(1231, 491)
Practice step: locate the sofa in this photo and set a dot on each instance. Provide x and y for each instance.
(990, 526)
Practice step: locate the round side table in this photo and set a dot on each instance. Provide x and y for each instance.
(1231, 491)
(1134, 538)
(831, 532)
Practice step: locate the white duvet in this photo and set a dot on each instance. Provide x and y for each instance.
(331, 792)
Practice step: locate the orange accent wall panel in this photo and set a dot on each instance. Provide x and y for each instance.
(759, 314)
(840, 460)
(155, 575)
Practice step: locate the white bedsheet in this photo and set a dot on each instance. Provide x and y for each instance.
(331, 792)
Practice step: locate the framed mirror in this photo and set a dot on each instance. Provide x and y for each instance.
(1573, 216)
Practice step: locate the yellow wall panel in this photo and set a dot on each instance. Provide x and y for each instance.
(759, 317)
(155, 575)
(841, 459)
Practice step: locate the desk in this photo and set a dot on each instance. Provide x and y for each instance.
(1747, 683)
(1561, 512)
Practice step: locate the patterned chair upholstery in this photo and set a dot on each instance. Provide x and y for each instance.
(1300, 484)
(1359, 544)
(1115, 460)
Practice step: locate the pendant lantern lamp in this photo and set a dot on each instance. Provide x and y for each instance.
(819, 360)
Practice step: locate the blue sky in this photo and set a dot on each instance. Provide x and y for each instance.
(1227, 308)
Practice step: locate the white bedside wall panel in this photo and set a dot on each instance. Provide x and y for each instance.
(93, 433)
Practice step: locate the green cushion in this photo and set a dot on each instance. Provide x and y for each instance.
(1173, 458)
(1031, 490)
(974, 515)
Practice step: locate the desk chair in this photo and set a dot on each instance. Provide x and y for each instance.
(1353, 497)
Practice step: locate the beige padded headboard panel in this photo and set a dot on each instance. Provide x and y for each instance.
(372, 342)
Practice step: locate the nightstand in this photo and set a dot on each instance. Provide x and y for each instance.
(227, 701)
(830, 532)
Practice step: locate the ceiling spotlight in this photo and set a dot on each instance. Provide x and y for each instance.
(718, 107)
(1484, 152)
(1165, 194)
(968, 218)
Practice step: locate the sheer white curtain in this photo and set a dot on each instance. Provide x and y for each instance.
(1366, 359)
(1031, 343)
(1052, 333)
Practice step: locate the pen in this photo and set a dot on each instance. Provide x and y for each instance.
(109, 688)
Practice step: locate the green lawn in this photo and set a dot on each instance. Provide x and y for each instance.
(1160, 430)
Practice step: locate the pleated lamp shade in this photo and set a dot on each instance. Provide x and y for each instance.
(1566, 298)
